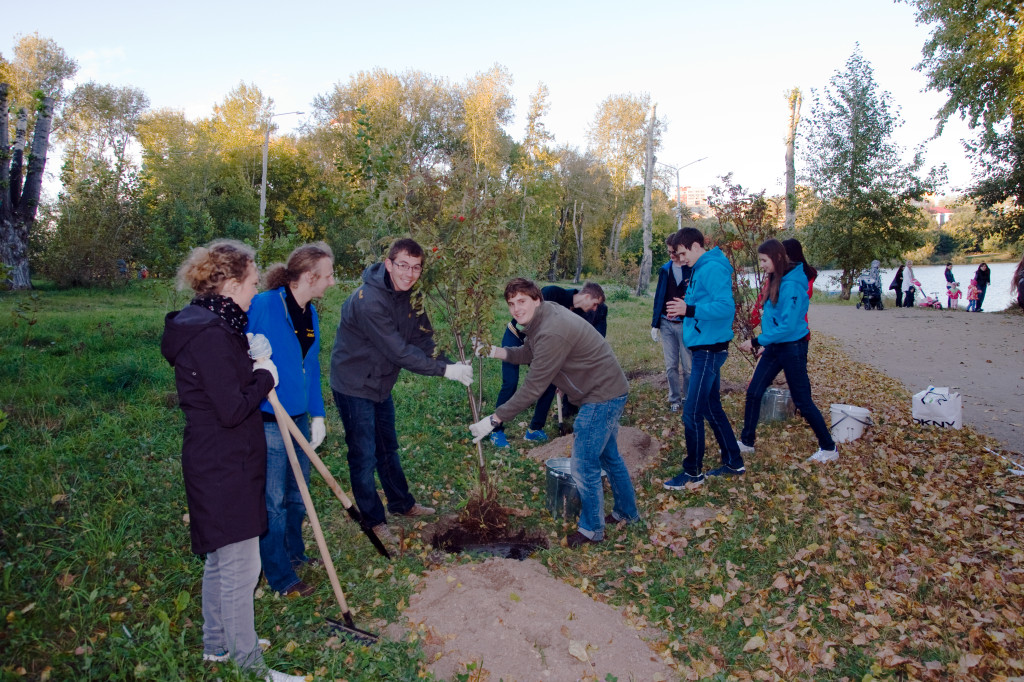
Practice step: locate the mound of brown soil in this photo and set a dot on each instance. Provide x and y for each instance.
(638, 449)
(513, 621)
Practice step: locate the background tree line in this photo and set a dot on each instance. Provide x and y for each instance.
(388, 153)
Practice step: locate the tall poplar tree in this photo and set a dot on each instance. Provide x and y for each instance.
(857, 172)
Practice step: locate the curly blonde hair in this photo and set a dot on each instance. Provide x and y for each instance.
(208, 267)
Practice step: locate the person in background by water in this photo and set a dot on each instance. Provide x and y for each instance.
(951, 284)
(983, 277)
(953, 295)
(1017, 282)
(782, 347)
(897, 286)
(285, 314)
(972, 296)
(223, 452)
(908, 285)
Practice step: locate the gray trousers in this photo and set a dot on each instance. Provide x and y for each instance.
(676, 355)
(229, 581)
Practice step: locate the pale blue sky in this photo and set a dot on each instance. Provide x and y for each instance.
(718, 71)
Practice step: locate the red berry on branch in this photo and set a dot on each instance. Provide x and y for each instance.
(462, 218)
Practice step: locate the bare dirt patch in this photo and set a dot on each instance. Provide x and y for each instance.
(513, 621)
(638, 449)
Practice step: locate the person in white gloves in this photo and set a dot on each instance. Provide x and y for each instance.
(223, 453)
(673, 278)
(286, 316)
(382, 331)
(563, 349)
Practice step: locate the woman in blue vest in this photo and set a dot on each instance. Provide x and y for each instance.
(782, 347)
(285, 314)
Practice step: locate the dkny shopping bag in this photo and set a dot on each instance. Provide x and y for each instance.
(937, 406)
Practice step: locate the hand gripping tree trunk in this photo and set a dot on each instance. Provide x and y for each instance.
(18, 202)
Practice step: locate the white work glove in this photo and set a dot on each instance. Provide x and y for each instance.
(459, 371)
(259, 346)
(654, 333)
(267, 364)
(317, 432)
(481, 428)
(482, 350)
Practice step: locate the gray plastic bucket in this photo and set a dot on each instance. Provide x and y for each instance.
(562, 499)
(777, 405)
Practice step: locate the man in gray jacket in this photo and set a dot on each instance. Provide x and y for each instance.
(381, 333)
(563, 349)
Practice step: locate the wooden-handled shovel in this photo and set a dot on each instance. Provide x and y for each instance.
(348, 627)
(319, 465)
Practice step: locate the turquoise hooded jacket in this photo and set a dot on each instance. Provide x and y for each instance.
(786, 320)
(710, 295)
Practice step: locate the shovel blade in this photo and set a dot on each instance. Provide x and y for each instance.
(348, 630)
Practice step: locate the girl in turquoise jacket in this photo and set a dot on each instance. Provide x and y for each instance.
(782, 347)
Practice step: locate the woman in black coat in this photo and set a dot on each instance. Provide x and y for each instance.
(224, 452)
(897, 284)
(982, 277)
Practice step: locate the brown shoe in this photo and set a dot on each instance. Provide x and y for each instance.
(578, 539)
(299, 589)
(385, 535)
(419, 510)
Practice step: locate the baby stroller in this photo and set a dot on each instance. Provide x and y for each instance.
(870, 287)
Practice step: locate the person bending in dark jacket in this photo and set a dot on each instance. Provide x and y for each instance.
(223, 453)
(381, 333)
(588, 303)
(564, 350)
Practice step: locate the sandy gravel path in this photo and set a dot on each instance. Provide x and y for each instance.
(981, 355)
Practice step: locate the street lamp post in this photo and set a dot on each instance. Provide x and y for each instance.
(263, 182)
(679, 202)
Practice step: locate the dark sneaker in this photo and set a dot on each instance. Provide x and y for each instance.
(578, 539)
(536, 436)
(682, 480)
(499, 440)
(727, 471)
(610, 520)
(299, 589)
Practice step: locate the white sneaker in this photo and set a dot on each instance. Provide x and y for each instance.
(744, 448)
(220, 658)
(824, 456)
(278, 676)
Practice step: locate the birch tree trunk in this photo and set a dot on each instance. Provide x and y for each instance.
(795, 99)
(577, 230)
(644, 279)
(18, 208)
(555, 242)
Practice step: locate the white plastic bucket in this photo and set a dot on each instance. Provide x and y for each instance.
(848, 422)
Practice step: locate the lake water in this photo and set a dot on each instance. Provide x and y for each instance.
(933, 281)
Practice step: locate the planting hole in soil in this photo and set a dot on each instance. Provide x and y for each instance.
(482, 529)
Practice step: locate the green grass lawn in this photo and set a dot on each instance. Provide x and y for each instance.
(98, 581)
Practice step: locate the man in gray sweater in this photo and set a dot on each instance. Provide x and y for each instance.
(563, 349)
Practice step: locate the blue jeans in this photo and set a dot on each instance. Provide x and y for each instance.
(704, 401)
(229, 579)
(373, 447)
(282, 549)
(791, 359)
(676, 354)
(510, 382)
(593, 449)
